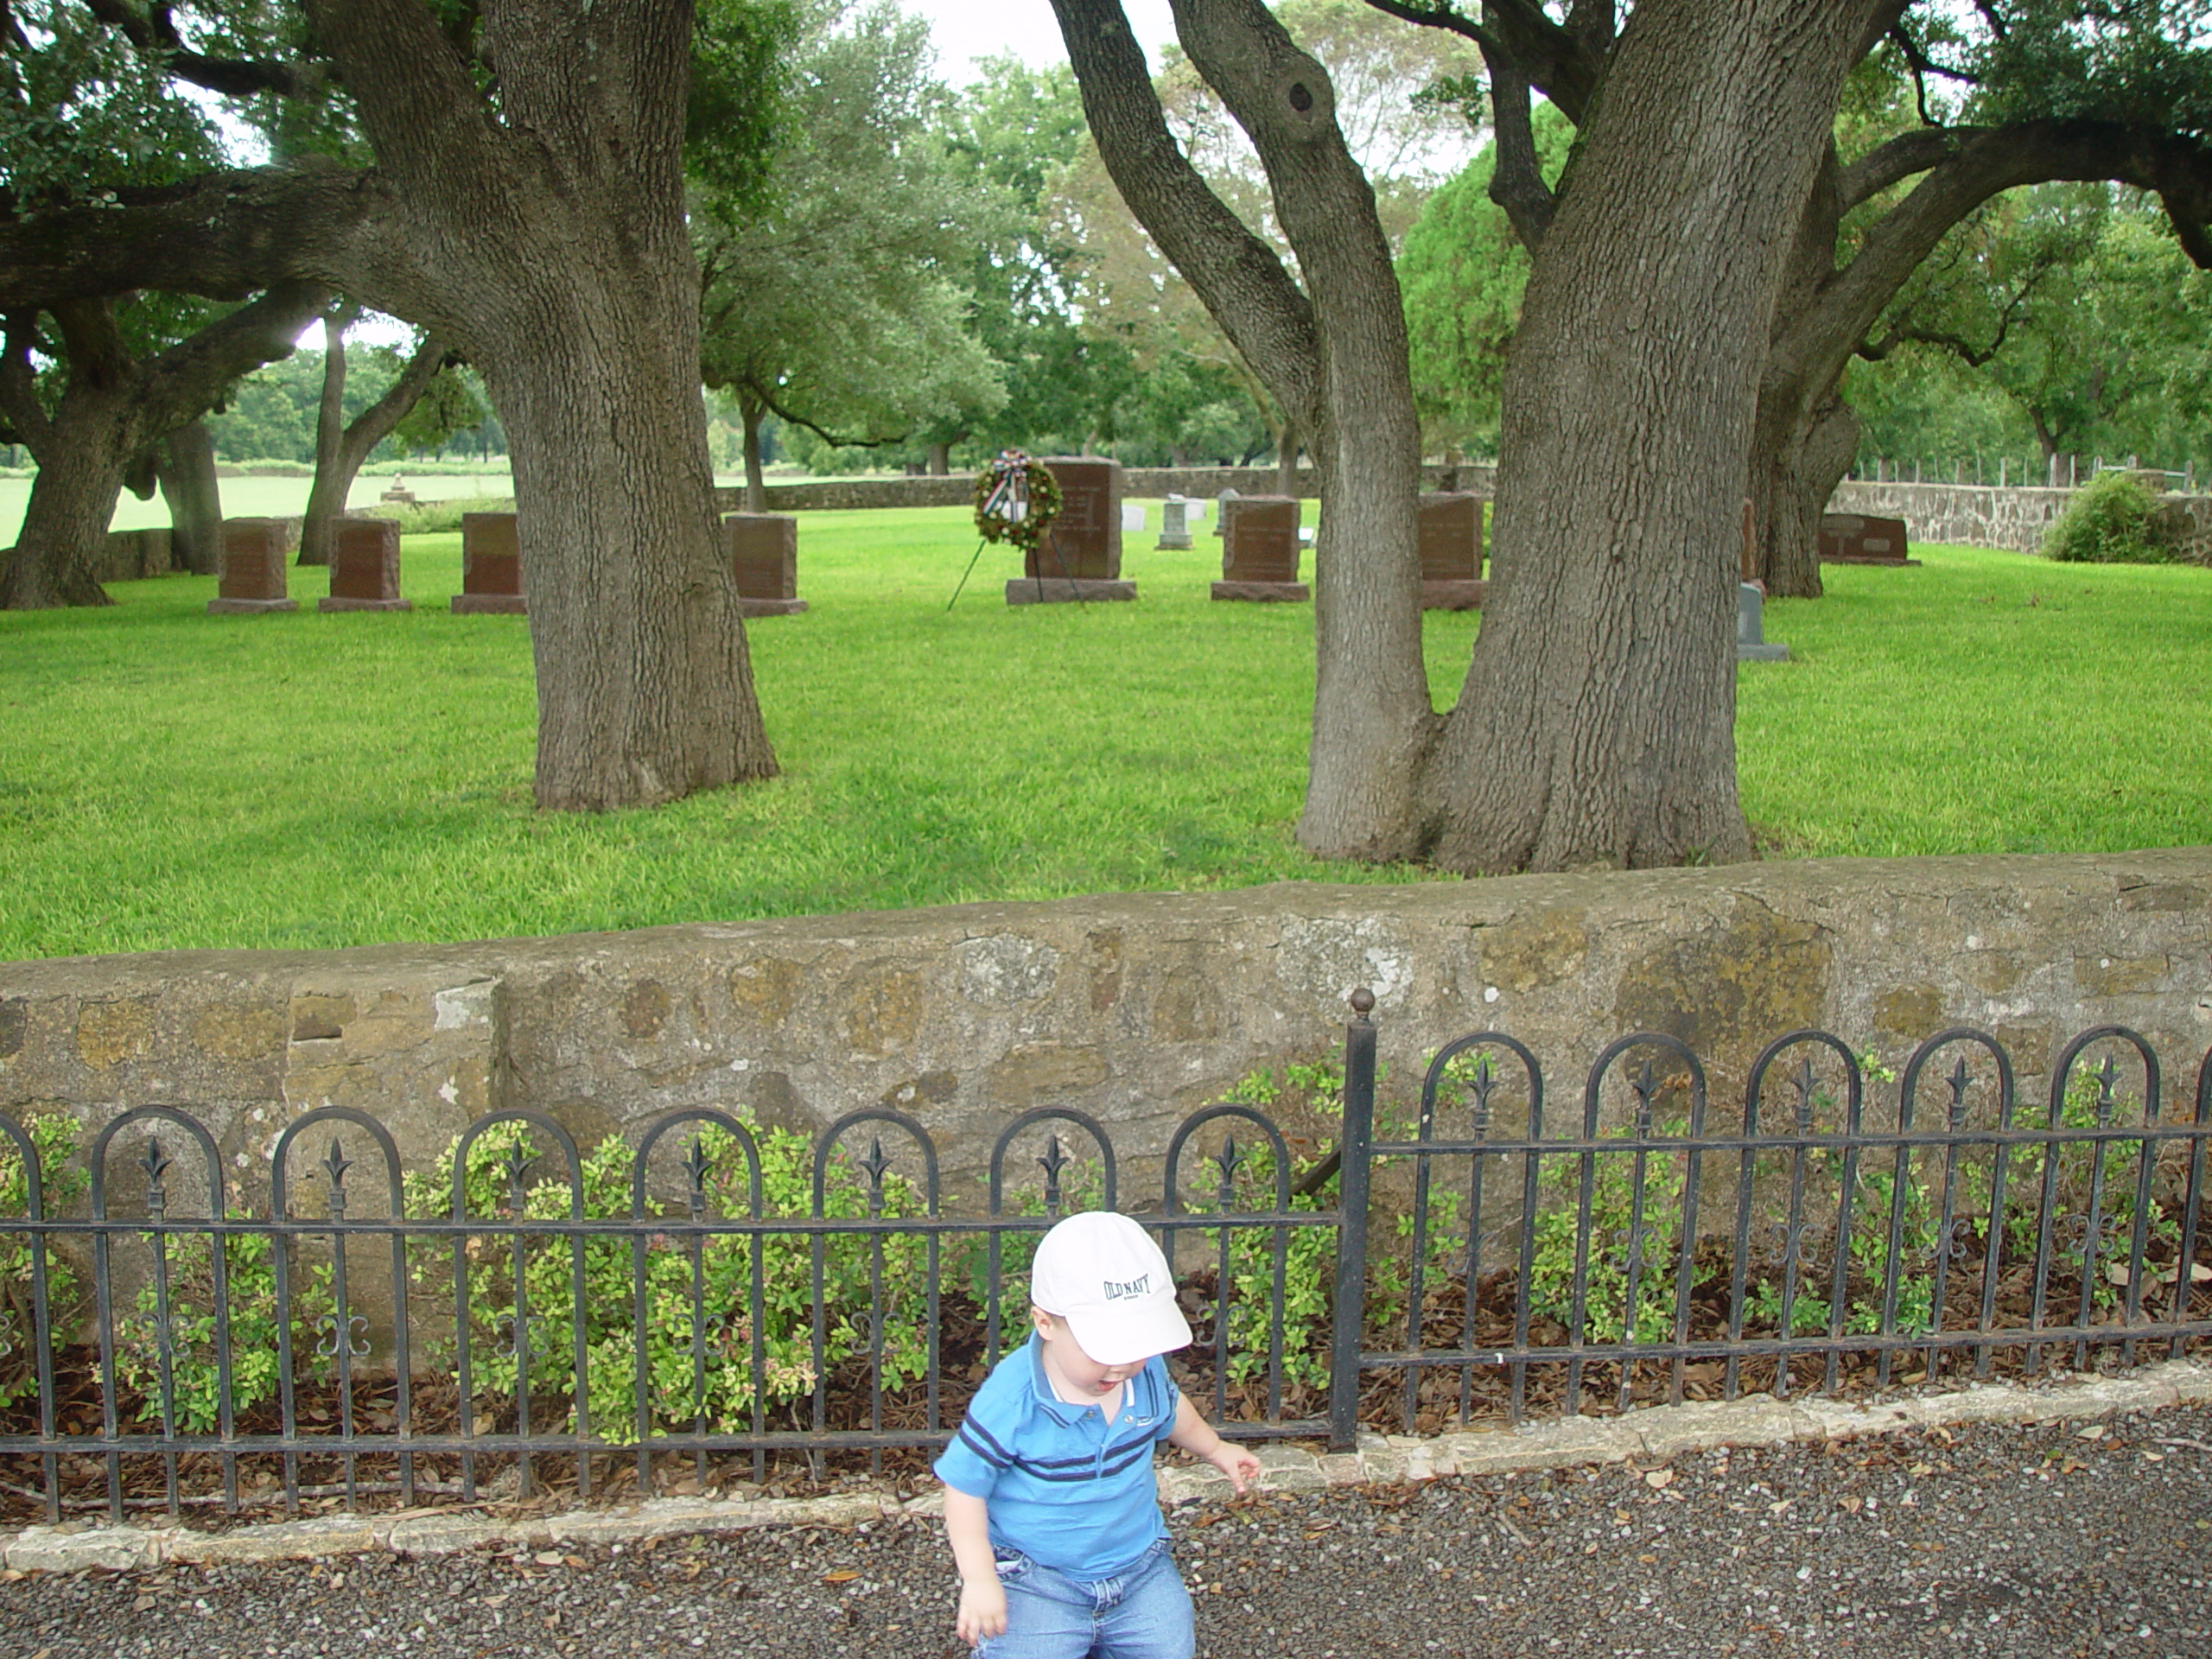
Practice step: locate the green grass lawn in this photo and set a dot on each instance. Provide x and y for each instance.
(168, 779)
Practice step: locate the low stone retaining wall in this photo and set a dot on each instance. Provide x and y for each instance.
(1136, 1008)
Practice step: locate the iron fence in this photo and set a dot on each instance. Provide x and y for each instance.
(720, 1296)
(1961, 1239)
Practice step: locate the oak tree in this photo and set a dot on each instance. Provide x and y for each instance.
(526, 204)
(1595, 724)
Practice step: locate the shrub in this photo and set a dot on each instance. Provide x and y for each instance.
(2108, 522)
(723, 1397)
(428, 517)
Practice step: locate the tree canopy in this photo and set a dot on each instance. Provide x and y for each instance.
(836, 283)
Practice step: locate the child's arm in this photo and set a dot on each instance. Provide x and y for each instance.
(982, 1599)
(1195, 1436)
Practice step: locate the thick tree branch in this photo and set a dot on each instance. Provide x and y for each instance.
(1888, 163)
(26, 417)
(222, 236)
(1433, 17)
(2187, 211)
(1517, 183)
(1563, 61)
(369, 428)
(429, 123)
(155, 31)
(1237, 276)
(93, 344)
(1985, 161)
(183, 383)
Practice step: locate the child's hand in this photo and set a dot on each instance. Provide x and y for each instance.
(982, 1610)
(1235, 1461)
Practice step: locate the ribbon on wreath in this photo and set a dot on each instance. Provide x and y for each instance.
(1016, 500)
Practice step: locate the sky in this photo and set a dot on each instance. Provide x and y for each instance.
(968, 29)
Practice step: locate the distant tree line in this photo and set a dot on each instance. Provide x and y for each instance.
(271, 414)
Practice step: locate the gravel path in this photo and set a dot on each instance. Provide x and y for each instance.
(2042, 1541)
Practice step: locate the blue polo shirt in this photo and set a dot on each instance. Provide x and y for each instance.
(1064, 1487)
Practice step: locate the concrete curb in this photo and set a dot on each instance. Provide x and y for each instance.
(1655, 1435)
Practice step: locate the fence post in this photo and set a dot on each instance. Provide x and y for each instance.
(1355, 1149)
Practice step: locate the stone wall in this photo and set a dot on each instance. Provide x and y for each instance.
(1136, 1008)
(1978, 515)
(1970, 515)
(1139, 484)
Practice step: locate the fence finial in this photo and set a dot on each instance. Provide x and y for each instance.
(1363, 1002)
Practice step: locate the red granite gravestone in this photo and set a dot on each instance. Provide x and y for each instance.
(1449, 531)
(763, 558)
(1850, 538)
(252, 568)
(491, 566)
(364, 567)
(1081, 555)
(1259, 550)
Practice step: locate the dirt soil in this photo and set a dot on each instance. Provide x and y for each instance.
(2030, 1542)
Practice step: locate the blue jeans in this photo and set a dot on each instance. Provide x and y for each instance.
(1143, 1614)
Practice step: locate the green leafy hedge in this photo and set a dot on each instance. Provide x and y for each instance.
(2108, 522)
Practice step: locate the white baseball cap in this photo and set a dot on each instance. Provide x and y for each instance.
(1101, 1272)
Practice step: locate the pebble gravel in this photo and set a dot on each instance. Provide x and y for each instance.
(2043, 1540)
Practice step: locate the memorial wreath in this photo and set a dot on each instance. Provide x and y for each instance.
(1016, 500)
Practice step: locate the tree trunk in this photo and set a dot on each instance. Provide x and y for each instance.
(1805, 437)
(1286, 461)
(112, 411)
(644, 687)
(1793, 472)
(340, 450)
(1596, 723)
(326, 495)
(66, 520)
(940, 459)
(549, 247)
(749, 415)
(1332, 355)
(195, 497)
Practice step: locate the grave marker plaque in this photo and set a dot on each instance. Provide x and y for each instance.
(764, 559)
(364, 567)
(1449, 531)
(491, 566)
(1259, 551)
(252, 568)
(1851, 538)
(1752, 645)
(1174, 525)
(1080, 558)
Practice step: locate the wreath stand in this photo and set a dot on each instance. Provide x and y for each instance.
(1016, 500)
